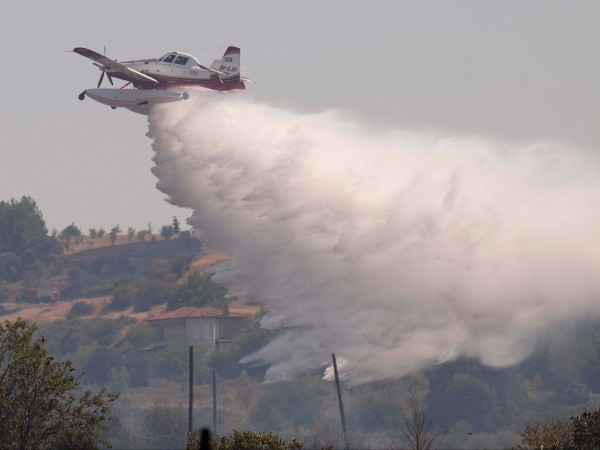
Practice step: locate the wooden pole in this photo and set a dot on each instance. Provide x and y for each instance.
(191, 405)
(340, 401)
(214, 402)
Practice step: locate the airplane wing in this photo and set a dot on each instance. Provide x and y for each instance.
(112, 64)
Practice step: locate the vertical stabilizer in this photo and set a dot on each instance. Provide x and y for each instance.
(229, 65)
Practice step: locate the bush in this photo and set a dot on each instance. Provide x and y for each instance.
(154, 289)
(198, 290)
(122, 298)
(181, 263)
(80, 309)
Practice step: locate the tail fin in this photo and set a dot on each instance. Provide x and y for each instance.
(229, 65)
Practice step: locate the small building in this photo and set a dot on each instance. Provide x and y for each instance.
(211, 327)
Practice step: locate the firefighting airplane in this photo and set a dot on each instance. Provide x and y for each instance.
(161, 80)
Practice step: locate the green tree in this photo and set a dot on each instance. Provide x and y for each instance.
(38, 403)
(23, 238)
(101, 232)
(176, 225)
(198, 290)
(68, 233)
(130, 233)
(93, 233)
(166, 232)
(114, 232)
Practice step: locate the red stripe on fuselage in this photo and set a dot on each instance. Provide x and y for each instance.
(164, 82)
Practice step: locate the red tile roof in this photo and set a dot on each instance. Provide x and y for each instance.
(186, 312)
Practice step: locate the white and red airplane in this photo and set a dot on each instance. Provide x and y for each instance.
(161, 80)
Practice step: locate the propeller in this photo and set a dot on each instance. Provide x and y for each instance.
(107, 76)
(103, 69)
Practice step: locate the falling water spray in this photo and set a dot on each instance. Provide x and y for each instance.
(400, 249)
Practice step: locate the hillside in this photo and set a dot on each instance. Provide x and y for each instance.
(103, 265)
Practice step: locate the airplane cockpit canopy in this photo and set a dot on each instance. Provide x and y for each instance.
(168, 58)
(180, 59)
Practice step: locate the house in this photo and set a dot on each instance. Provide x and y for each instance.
(211, 327)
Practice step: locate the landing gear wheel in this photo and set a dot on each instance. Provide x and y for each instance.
(113, 107)
(82, 95)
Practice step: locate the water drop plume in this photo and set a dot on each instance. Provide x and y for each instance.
(397, 249)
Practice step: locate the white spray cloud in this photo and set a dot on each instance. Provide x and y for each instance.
(396, 250)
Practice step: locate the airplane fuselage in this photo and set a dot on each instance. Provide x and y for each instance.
(177, 69)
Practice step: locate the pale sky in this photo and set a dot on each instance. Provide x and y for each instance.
(513, 70)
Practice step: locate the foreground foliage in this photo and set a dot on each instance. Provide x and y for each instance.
(38, 403)
(580, 432)
(245, 440)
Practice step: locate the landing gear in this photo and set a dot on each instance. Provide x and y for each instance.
(82, 95)
(113, 107)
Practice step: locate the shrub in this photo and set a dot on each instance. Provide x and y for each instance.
(80, 309)
(246, 440)
(198, 290)
(181, 263)
(122, 298)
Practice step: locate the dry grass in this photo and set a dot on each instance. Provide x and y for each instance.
(37, 312)
(51, 312)
(209, 260)
(237, 307)
(87, 243)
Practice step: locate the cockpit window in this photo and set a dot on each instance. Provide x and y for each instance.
(167, 58)
(181, 60)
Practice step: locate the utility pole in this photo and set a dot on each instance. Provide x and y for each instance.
(214, 402)
(191, 405)
(340, 401)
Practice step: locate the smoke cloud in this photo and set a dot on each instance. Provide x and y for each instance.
(396, 250)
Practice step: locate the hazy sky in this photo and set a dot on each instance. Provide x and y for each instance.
(519, 71)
